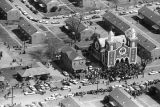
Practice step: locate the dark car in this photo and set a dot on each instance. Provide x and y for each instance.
(54, 89)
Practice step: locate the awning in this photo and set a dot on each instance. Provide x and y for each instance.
(113, 103)
(156, 27)
(140, 16)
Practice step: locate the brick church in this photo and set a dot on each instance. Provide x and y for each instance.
(113, 48)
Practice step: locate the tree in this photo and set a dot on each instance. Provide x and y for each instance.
(76, 26)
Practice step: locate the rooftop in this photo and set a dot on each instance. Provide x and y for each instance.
(116, 21)
(69, 102)
(75, 24)
(123, 98)
(145, 43)
(151, 15)
(71, 53)
(99, 30)
(27, 26)
(5, 5)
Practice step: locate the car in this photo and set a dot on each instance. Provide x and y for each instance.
(157, 3)
(54, 89)
(29, 93)
(65, 73)
(70, 95)
(55, 22)
(86, 83)
(55, 95)
(87, 17)
(32, 88)
(45, 17)
(66, 87)
(66, 16)
(50, 98)
(74, 81)
(60, 97)
(153, 72)
(96, 16)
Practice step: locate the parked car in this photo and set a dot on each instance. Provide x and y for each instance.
(65, 73)
(29, 93)
(54, 89)
(66, 87)
(74, 81)
(153, 72)
(50, 98)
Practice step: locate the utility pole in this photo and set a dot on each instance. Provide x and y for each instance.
(12, 96)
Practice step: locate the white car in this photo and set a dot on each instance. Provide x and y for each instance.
(66, 87)
(29, 93)
(153, 72)
(60, 96)
(71, 95)
(32, 88)
(65, 73)
(50, 98)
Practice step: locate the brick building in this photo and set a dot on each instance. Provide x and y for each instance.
(8, 12)
(30, 32)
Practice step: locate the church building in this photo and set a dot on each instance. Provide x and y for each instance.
(115, 48)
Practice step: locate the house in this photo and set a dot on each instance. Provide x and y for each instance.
(7, 11)
(79, 30)
(93, 4)
(30, 32)
(73, 60)
(69, 102)
(30, 72)
(120, 98)
(149, 17)
(46, 5)
(115, 23)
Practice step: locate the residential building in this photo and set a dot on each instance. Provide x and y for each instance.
(115, 23)
(38, 71)
(112, 49)
(79, 30)
(73, 60)
(69, 102)
(98, 4)
(47, 5)
(29, 32)
(8, 11)
(120, 98)
(149, 17)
